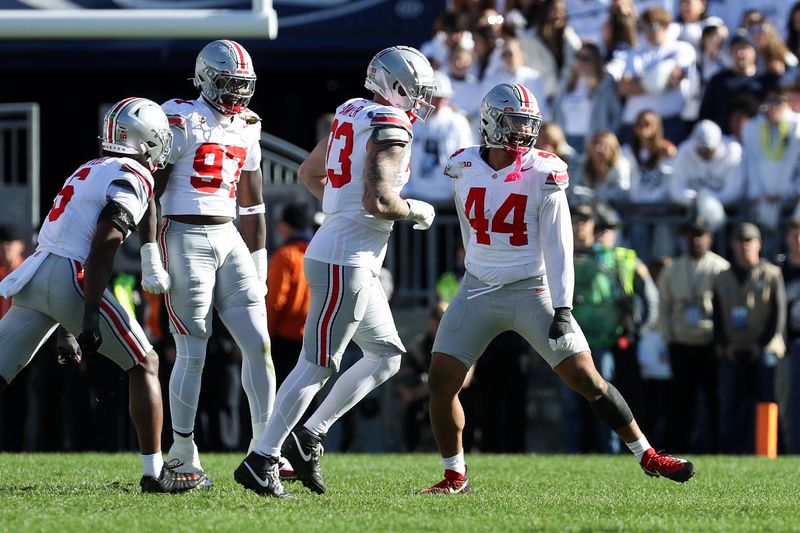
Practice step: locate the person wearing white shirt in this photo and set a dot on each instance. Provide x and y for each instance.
(435, 140)
(515, 71)
(656, 77)
(707, 161)
(467, 90)
(771, 144)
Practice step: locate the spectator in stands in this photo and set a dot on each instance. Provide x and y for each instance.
(450, 30)
(656, 77)
(586, 100)
(552, 139)
(741, 78)
(742, 109)
(619, 36)
(551, 45)
(686, 322)
(793, 30)
(467, 90)
(710, 61)
(11, 249)
(486, 51)
(288, 295)
(603, 174)
(771, 147)
(707, 161)
(749, 319)
(435, 140)
(651, 160)
(514, 70)
(787, 383)
(773, 53)
(692, 17)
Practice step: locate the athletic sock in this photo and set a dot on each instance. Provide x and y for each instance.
(294, 397)
(152, 464)
(638, 447)
(351, 387)
(455, 463)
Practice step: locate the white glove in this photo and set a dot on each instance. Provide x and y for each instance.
(420, 212)
(154, 278)
(260, 260)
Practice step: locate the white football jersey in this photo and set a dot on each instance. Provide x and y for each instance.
(70, 225)
(209, 153)
(515, 225)
(349, 235)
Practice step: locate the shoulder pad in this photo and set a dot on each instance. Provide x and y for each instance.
(457, 163)
(389, 117)
(553, 167)
(249, 116)
(145, 180)
(177, 106)
(390, 135)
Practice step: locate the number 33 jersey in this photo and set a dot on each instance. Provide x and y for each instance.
(349, 235)
(209, 153)
(512, 223)
(70, 225)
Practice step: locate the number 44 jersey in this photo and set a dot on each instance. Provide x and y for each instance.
(512, 221)
(209, 153)
(349, 235)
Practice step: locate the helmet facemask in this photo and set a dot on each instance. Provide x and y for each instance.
(225, 76)
(138, 127)
(513, 132)
(226, 93)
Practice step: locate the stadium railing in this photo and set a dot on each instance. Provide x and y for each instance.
(19, 167)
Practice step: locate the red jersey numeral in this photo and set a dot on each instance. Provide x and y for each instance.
(208, 161)
(345, 129)
(514, 205)
(65, 195)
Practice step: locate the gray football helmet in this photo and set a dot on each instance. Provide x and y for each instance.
(510, 118)
(404, 77)
(224, 74)
(138, 126)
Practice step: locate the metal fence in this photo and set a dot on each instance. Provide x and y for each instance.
(19, 167)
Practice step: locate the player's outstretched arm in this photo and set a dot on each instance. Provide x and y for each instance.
(312, 171)
(96, 273)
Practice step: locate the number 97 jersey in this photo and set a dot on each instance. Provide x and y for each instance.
(209, 153)
(499, 212)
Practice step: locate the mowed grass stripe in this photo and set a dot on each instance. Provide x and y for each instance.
(100, 492)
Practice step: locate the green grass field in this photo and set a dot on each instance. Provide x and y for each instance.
(100, 492)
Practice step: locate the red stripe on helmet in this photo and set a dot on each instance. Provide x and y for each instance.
(240, 52)
(112, 117)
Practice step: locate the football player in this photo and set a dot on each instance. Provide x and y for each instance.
(516, 228)
(357, 172)
(216, 158)
(99, 205)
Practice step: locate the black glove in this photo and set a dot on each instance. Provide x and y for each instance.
(562, 323)
(69, 352)
(90, 337)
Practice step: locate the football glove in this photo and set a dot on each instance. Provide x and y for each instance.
(420, 212)
(562, 337)
(154, 278)
(90, 337)
(69, 351)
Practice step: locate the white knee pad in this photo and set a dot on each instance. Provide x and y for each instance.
(184, 383)
(190, 352)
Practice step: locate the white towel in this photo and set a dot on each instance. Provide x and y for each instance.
(14, 282)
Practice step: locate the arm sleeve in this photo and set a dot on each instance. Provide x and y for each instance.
(253, 161)
(665, 303)
(128, 196)
(555, 235)
(776, 323)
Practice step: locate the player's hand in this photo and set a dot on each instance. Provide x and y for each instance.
(69, 351)
(562, 337)
(90, 337)
(421, 212)
(154, 278)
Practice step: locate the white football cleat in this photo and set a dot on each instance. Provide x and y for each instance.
(186, 454)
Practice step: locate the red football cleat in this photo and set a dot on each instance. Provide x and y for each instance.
(656, 464)
(453, 483)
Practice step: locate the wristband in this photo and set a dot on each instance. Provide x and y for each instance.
(252, 210)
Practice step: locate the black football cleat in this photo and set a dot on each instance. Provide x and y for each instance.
(656, 464)
(303, 449)
(260, 474)
(170, 481)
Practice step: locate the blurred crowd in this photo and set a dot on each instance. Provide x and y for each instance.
(680, 122)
